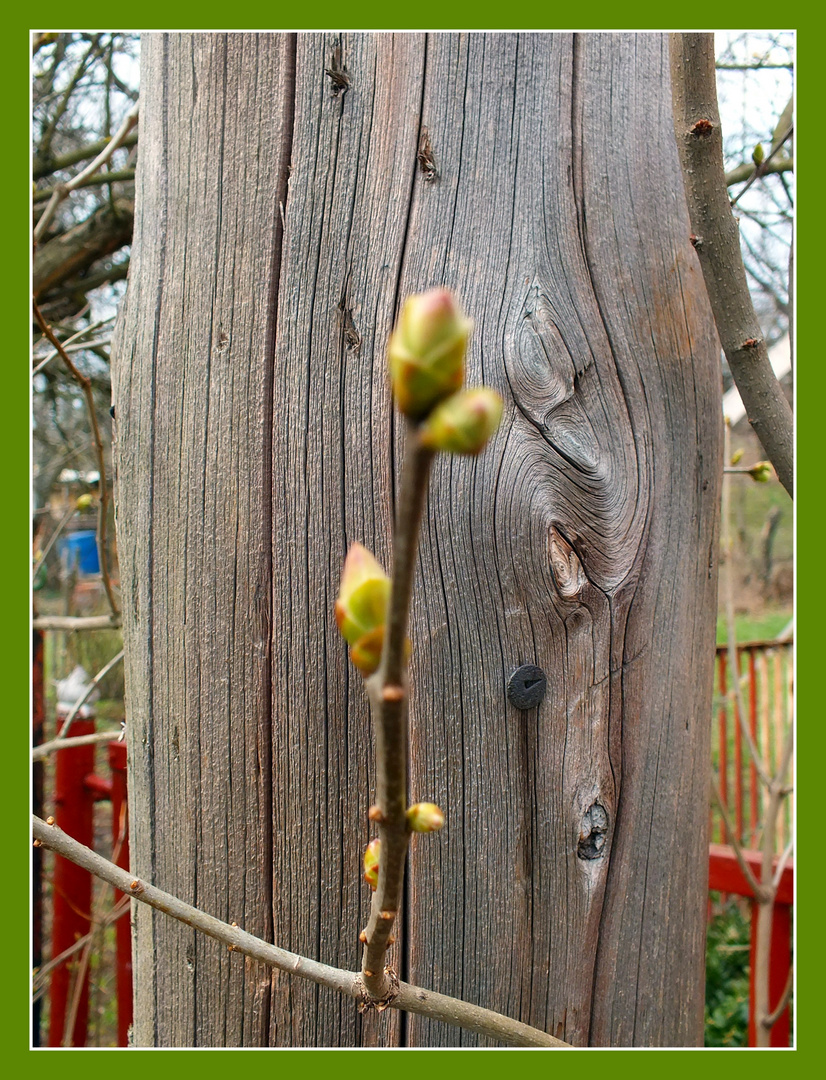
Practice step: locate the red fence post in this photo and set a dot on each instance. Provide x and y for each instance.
(72, 886)
(120, 848)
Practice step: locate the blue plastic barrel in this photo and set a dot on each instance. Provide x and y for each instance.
(80, 549)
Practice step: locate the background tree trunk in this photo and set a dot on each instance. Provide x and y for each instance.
(254, 417)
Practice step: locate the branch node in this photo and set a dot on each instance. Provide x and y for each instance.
(50, 820)
(389, 915)
(392, 693)
(136, 887)
(696, 241)
(375, 813)
(750, 343)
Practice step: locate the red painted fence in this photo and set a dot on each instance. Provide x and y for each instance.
(766, 673)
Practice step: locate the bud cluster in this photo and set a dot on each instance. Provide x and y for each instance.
(426, 355)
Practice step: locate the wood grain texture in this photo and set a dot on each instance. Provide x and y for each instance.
(567, 887)
(193, 396)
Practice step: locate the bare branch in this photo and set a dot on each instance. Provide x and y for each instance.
(44, 194)
(78, 705)
(71, 622)
(61, 191)
(388, 693)
(103, 494)
(91, 150)
(716, 240)
(745, 171)
(734, 841)
(410, 998)
(770, 1021)
(44, 749)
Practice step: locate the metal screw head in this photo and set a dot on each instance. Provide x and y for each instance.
(526, 686)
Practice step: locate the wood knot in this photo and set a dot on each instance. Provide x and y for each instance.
(569, 577)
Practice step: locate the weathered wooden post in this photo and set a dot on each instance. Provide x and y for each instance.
(291, 189)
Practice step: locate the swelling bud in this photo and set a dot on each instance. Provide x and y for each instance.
(425, 817)
(464, 422)
(371, 863)
(426, 351)
(361, 607)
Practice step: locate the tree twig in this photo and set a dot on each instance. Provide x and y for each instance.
(762, 168)
(75, 622)
(103, 495)
(746, 170)
(727, 546)
(772, 1019)
(388, 692)
(61, 191)
(39, 979)
(736, 845)
(44, 749)
(410, 998)
(716, 240)
(78, 705)
(114, 177)
(61, 525)
(91, 150)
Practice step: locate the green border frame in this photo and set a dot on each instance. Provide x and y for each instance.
(432, 15)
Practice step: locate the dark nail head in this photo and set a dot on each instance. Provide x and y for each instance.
(526, 687)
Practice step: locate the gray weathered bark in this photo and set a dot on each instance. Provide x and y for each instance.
(567, 888)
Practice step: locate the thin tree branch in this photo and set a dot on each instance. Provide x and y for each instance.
(61, 191)
(72, 622)
(771, 1020)
(78, 705)
(44, 194)
(103, 494)
(716, 240)
(61, 525)
(410, 998)
(70, 344)
(781, 864)
(95, 49)
(762, 168)
(388, 692)
(734, 840)
(39, 979)
(44, 749)
(747, 169)
(727, 546)
(73, 157)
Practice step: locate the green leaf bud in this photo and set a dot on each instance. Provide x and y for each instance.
(426, 351)
(361, 605)
(425, 817)
(758, 155)
(84, 502)
(464, 422)
(371, 863)
(761, 472)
